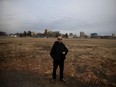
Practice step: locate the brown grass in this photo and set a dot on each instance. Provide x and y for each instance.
(89, 60)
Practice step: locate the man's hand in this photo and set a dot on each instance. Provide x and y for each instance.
(63, 52)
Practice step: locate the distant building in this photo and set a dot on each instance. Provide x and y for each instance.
(2, 33)
(75, 36)
(70, 35)
(34, 34)
(56, 33)
(40, 35)
(82, 34)
(105, 37)
(113, 35)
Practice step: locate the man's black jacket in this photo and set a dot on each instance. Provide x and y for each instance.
(56, 51)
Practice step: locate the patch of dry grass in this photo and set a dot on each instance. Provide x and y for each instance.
(88, 60)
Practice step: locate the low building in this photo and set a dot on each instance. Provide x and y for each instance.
(2, 33)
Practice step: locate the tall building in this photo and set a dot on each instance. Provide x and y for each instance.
(70, 34)
(113, 35)
(82, 34)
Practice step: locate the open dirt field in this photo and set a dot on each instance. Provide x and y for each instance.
(25, 62)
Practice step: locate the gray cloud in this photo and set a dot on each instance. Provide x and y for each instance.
(63, 15)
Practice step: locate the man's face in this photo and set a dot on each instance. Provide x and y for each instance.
(59, 39)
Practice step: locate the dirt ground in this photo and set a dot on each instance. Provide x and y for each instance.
(25, 62)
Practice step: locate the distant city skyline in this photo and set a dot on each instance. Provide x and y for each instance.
(66, 16)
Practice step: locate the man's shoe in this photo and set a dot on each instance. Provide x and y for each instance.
(53, 81)
(62, 80)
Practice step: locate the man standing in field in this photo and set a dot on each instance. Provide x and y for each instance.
(58, 53)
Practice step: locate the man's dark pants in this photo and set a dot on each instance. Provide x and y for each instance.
(55, 66)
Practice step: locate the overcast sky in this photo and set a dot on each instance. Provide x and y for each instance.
(66, 16)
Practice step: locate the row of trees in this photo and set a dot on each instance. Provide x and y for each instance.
(24, 34)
